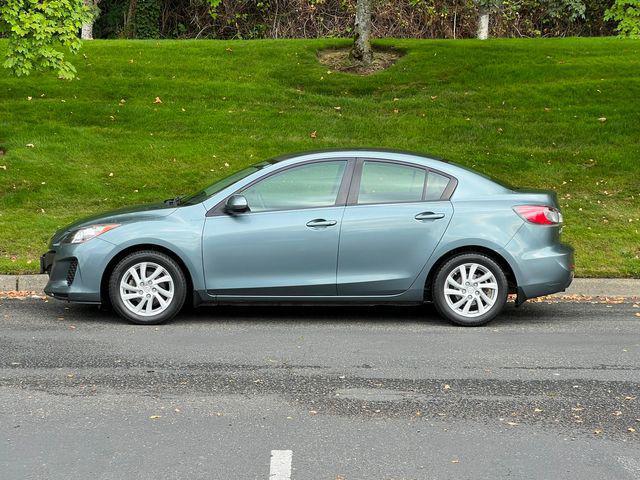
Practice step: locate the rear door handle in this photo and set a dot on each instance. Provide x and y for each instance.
(429, 216)
(321, 222)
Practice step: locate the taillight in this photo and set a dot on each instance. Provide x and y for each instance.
(539, 214)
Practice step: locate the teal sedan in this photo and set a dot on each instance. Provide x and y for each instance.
(342, 226)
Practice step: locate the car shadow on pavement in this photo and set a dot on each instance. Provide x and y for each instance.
(529, 313)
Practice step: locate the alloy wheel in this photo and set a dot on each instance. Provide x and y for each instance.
(147, 289)
(471, 290)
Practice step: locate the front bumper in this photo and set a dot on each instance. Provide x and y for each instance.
(46, 261)
(75, 270)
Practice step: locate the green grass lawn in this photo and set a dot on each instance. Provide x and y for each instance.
(524, 111)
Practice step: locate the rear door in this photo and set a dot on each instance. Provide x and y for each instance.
(395, 217)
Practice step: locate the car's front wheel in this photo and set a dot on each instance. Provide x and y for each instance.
(470, 289)
(147, 287)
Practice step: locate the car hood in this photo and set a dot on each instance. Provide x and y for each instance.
(122, 215)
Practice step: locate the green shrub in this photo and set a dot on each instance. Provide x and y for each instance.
(627, 14)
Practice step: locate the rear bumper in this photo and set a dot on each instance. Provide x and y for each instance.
(542, 264)
(549, 271)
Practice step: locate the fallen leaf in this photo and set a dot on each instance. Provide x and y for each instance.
(157, 100)
(30, 145)
(631, 429)
(597, 431)
(447, 387)
(154, 417)
(314, 134)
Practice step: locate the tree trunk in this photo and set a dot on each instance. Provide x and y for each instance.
(361, 52)
(87, 28)
(483, 24)
(87, 31)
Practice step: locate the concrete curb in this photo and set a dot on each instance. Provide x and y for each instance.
(593, 287)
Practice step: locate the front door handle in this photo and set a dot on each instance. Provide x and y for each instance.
(321, 222)
(429, 216)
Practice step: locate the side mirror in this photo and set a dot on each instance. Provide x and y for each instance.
(236, 204)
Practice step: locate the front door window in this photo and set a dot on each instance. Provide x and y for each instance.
(307, 186)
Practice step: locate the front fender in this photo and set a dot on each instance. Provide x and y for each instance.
(179, 234)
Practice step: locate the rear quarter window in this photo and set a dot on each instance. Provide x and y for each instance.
(436, 184)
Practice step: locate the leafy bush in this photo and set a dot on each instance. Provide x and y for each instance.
(627, 14)
(321, 18)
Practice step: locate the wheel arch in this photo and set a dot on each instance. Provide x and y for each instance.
(489, 252)
(104, 282)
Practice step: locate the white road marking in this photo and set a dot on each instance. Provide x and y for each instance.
(280, 465)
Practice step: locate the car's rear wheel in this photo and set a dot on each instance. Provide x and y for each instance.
(470, 289)
(147, 287)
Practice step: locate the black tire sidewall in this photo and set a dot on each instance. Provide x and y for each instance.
(441, 277)
(179, 285)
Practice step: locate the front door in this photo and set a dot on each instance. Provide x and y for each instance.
(287, 244)
(393, 224)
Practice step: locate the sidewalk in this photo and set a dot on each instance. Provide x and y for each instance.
(592, 287)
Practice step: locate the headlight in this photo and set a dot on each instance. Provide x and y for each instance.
(87, 233)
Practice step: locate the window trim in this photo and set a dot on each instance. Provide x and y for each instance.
(354, 192)
(341, 198)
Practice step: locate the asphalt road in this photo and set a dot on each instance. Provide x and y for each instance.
(546, 391)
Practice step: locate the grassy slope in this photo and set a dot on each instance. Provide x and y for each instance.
(525, 111)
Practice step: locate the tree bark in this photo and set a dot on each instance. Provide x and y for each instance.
(483, 24)
(361, 52)
(87, 28)
(87, 31)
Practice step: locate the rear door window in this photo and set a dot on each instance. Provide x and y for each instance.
(383, 182)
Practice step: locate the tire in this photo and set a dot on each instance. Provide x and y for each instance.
(165, 287)
(485, 303)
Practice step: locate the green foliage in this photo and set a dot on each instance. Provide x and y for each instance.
(627, 14)
(214, 7)
(146, 20)
(39, 32)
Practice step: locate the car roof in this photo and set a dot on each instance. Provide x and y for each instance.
(355, 152)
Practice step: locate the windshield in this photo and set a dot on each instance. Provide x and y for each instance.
(220, 185)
